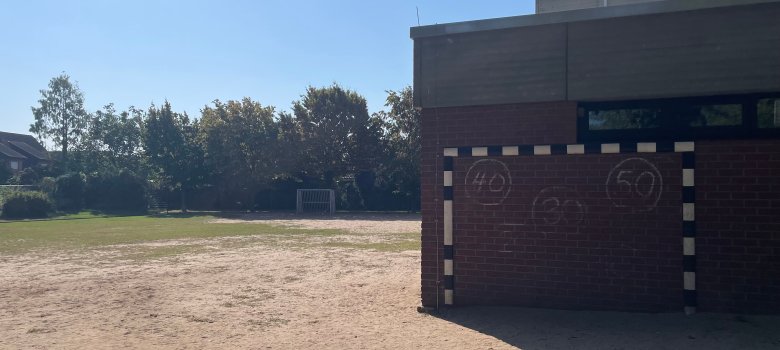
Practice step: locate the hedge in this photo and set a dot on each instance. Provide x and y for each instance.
(26, 205)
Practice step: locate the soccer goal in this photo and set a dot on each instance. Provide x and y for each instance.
(316, 200)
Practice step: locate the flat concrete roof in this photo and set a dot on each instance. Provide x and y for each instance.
(576, 16)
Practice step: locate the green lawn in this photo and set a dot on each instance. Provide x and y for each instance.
(87, 231)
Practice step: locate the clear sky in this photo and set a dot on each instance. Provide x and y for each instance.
(192, 52)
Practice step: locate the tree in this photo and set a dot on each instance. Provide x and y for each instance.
(288, 144)
(338, 136)
(61, 115)
(402, 126)
(113, 141)
(170, 142)
(240, 140)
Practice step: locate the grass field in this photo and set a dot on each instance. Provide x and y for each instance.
(88, 230)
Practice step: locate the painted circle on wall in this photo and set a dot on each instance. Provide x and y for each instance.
(635, 183)
(488, 182)
(558, 205)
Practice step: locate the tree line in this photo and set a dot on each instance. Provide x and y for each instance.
(238, 154)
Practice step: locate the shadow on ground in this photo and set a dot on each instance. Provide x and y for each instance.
(533, 329)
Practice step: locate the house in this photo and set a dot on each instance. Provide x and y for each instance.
(621, 157)
(19, 151)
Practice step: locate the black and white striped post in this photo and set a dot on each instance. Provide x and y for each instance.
(689, 225)
(449, 275)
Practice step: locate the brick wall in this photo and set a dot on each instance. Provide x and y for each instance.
(738, 218)
(558, 239)
(467, 126)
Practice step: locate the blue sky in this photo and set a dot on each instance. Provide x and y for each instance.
(192, 52)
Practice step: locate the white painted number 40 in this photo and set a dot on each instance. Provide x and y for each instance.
(496, 183)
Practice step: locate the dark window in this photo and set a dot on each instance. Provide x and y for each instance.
(621, 119)
(712, 117)
(769, 113)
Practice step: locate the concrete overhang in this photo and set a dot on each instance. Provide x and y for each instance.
(649, 8)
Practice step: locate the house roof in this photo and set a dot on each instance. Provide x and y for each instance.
(8, 152)
(29, 150)
(28, 139)
(21, 146)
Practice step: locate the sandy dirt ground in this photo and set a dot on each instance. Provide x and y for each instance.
(253, 293)
(353, 222)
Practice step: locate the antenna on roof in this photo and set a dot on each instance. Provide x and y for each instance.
(418, 15)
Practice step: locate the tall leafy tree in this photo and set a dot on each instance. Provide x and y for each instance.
(288, 144)
(338, 136)
(60, 115)
(113, 141)
(240, 140)
(171, 143)
(402, 126)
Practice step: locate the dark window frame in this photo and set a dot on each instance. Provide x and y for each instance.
(673, 129)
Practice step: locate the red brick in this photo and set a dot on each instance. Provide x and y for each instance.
(615, 259)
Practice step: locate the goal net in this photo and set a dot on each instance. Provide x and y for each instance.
(316, 200)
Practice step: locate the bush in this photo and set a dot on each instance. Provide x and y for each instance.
(5, 192)
(28, 176)
(26, 205)
(121, 192)
(48, 185)
(69, 192)
(5, 174)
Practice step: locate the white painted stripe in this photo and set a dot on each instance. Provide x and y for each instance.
(479, 151)
(690, 310)
(646, 147)
(688, 177)
(689, 280)
(684, 147)
(448, 178)
(575, 149)
(448, 299)
(450, 152)
(689, 246)
(610, 148)
(448, 222)
(510, 151)
(689, 212)
(543, 150)
(447, 267)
